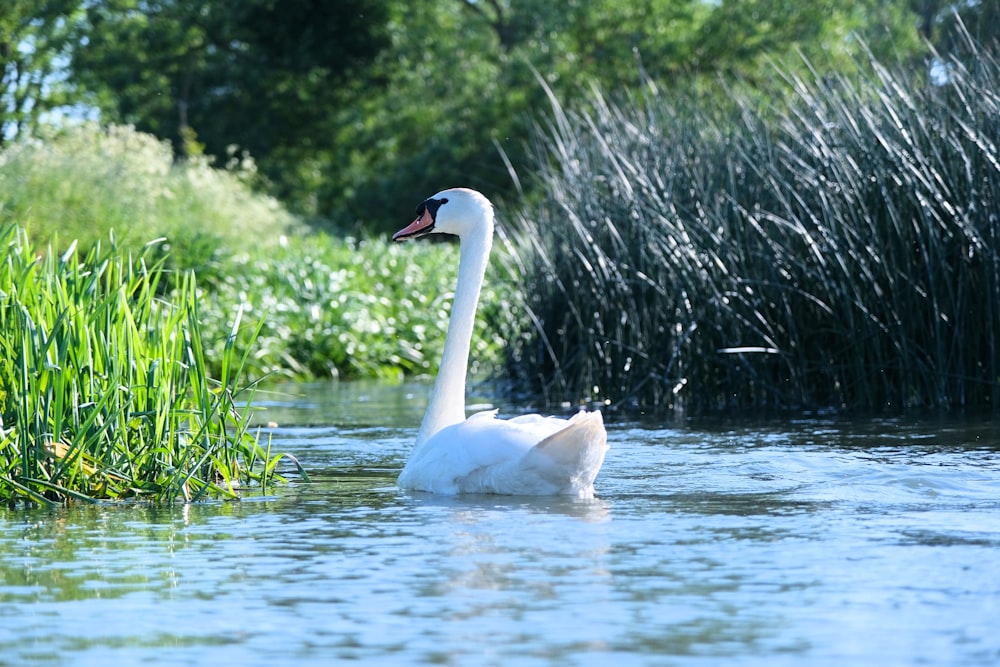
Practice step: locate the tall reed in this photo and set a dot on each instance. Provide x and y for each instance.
(841, 250)
(104, 392)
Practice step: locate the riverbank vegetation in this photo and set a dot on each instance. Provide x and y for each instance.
(325, 306)
(789, 206)
(83, 181)
(347, 308)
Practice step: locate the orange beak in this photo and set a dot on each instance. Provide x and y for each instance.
(419, 227)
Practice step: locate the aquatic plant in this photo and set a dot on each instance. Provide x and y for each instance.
(840, 249)
(104, 385)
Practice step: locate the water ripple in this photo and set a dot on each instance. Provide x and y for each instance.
(824, 543)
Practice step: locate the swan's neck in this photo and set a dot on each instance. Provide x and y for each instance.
(447, 404)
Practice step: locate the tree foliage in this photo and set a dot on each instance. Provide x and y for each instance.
(351, 107)
(462, 84)
(34, 37)
(211, 74)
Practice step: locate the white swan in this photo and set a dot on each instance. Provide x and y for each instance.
(527, 455)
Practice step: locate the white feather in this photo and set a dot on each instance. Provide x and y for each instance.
(527, 455)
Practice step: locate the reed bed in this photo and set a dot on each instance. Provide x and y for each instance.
(839, 250)
(104, 389)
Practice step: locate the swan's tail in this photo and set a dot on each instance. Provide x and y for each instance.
(570, 458)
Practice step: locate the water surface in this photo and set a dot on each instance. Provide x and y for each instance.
(818, 542)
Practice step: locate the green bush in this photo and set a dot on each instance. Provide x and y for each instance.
(82, 181)
(842, 252)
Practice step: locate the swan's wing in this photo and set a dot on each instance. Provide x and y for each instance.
(526, 455)
(571, 458)
(564, 462)
(488, 440)
(481, 441)
(581, 437)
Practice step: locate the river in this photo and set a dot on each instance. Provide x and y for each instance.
(813, 541)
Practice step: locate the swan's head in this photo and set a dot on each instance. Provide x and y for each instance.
(458, 211)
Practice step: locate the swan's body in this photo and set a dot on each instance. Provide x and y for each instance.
(528, 455)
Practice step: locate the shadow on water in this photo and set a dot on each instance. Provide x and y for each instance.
(807, 541)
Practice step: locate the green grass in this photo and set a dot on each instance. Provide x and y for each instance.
(838, 250)
(104, 388)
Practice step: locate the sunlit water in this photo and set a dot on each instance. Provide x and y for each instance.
(814, 542)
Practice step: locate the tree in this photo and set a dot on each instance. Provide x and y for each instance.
(33, 41)
(260, 74)
(351, 107)
(461, 85)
